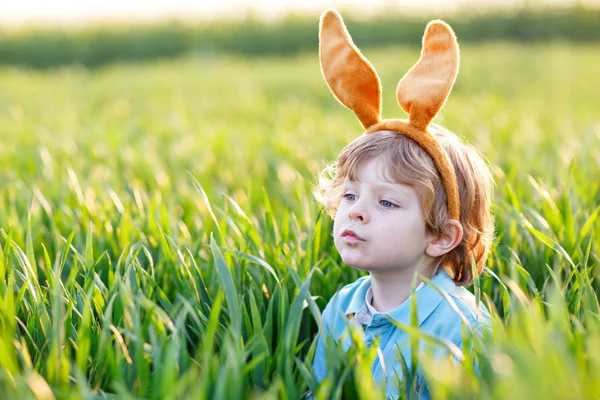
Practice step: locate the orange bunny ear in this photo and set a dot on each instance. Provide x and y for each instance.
(424, 89)
(350, 77)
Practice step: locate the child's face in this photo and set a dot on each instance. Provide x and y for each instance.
(387, 218)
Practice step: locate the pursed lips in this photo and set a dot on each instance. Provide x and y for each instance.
(351, 234)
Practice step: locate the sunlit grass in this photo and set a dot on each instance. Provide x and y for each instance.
(159, 238)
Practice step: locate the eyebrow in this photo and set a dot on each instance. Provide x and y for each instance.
(400, 191)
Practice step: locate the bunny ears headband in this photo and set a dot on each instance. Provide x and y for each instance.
(422, 92)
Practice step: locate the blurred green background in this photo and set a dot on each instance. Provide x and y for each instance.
(98, 43)
(159, 238)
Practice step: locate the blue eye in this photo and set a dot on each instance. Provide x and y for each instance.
(387, 204)
(349, 197)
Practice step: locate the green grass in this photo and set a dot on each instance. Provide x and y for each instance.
(159, 238)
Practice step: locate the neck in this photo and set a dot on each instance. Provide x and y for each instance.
(392, 288)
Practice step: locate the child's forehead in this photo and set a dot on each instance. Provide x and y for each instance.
(377, 184)
(375, 168)
(377, 180)
(377, 173)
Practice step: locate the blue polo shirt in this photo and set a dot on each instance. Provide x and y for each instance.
(436, 316)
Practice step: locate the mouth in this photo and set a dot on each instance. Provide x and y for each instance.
(351, 236)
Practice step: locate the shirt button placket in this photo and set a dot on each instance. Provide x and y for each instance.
(382, 328)
(368, 334)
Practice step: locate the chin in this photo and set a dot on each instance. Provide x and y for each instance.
(362, 268)
(354, 263)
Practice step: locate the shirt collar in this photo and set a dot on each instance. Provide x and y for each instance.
(369, 300)
(427, 299)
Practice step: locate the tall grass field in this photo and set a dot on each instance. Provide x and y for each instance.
(159, 238)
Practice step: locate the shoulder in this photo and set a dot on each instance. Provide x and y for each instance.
(343, 297)
(450, 304)
(467, 304)
(455, 312)
(460, 308)
(350, 289)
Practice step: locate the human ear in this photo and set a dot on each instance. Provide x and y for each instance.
(445, 243)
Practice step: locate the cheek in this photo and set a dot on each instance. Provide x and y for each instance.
(339, 223)
(406, 227)
(338, 219)
(337, 230)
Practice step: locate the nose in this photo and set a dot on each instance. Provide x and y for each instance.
(358, 212)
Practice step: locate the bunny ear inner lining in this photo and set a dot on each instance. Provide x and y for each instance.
(349, 75)
(424, 89)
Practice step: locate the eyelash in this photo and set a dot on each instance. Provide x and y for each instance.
(387, 201)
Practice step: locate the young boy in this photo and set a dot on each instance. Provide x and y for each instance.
(409, 199)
